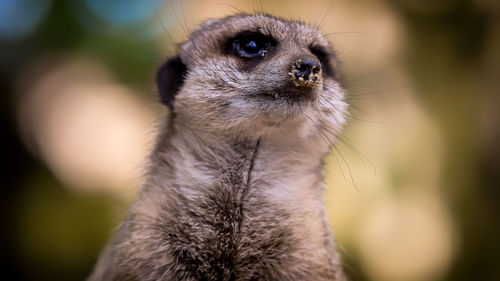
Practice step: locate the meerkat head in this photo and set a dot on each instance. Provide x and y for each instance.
(253, 72)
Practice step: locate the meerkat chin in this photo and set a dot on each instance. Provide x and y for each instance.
(233, 187)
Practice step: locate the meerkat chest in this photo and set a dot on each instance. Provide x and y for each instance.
(245, 225)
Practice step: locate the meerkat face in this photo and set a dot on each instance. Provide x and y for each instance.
(253, 69)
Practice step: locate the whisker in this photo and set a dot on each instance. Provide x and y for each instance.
(348, 167)
(352, 33)
(325, 13)
(345, 141)
(177, 18)
(366, 113)
(380, 91)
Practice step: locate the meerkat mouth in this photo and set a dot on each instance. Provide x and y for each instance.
(294, 94)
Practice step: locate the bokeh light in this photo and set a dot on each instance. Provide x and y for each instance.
(132, 19)
(68, 108)
(20, 17)
(124, 12)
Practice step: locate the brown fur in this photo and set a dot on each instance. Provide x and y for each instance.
(233, 189)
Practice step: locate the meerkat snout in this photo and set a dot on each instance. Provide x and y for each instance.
(305, 73)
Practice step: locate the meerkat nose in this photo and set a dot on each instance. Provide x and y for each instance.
(306, 73)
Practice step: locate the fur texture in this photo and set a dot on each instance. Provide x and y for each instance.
(233, 189)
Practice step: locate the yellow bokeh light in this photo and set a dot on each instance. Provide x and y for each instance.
(92, 131)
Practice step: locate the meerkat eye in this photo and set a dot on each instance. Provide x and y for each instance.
(250, 48)
(319, 53)
(250, 45)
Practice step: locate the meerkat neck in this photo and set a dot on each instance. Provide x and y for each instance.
(279, 161)
(238, 203)
(194, 164)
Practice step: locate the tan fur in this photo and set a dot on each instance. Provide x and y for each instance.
(233, 190)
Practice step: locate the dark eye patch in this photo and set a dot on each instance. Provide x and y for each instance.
(250, 45)
(324, 58)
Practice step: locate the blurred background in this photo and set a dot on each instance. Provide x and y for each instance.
(413, 186)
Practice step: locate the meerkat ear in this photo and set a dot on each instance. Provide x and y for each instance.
(169, 79)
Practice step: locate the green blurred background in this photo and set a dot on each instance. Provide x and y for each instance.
(413, 185)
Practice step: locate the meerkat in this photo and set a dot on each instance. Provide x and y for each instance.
(233, 189)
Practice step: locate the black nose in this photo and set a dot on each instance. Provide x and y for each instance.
(306, 72)
(307, 66)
